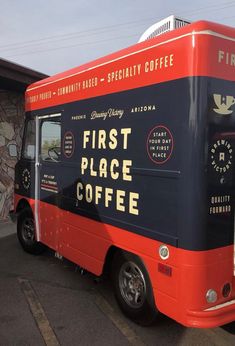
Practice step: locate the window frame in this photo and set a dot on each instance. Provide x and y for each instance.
(43, 120)
(23, 146)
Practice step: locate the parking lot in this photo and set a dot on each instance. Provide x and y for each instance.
(46, 301)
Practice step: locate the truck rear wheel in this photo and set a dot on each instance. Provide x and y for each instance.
(26, 233)
(133, 289)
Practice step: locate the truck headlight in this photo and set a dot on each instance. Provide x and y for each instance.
(211, 296)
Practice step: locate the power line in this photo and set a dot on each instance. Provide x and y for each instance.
(100, 30)
(58, 40)
(74, 34)
(213, 7)
(91, 32)
(71, 46)
(229, 17)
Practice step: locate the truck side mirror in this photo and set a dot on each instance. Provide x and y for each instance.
(31, 151)
(12, 149)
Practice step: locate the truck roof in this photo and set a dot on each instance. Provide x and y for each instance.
(52, 92)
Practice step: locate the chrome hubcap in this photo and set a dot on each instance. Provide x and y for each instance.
(28, 230)
(132, 285)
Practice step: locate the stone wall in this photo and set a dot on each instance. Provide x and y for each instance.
(11, 130)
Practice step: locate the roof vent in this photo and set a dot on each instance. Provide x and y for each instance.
(165, 25)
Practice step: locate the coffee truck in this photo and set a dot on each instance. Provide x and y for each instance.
(127, 165)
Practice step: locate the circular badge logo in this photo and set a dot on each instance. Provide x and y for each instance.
(68, 144)
(160, 144)
(221, 155)
(26, 178)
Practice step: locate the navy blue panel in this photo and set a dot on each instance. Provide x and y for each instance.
(166, 130)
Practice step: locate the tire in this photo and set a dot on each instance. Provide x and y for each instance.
(26, 233)
(133, 289)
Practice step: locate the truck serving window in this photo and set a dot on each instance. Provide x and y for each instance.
(51, 140)
(28, 151)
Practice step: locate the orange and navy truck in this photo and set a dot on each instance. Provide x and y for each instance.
(128, 163)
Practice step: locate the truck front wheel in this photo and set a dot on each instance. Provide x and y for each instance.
(26, 233)
(133, 289)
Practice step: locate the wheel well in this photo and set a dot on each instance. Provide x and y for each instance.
(109, 258)
(23, 204)
(110, 255)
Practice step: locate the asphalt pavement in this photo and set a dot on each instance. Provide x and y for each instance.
(46, 301)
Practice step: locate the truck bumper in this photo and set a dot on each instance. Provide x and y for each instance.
(213, 317)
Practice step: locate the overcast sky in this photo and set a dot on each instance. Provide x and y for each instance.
(54, 35)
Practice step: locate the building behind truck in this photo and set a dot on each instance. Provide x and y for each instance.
(14, 80)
